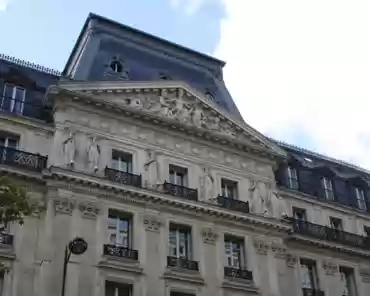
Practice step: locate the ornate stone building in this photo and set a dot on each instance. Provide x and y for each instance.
(139, 149)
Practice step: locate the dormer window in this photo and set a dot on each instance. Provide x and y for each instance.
(116, 66)
(328, 188)
(360, 198)
(292, 178)
(164, 76)
(208, 94)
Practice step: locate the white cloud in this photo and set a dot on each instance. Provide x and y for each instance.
(302, 66)
(4, 4)
(190, 7)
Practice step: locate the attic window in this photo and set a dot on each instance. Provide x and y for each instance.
(164, 76)
(116, 66)
(209, 95)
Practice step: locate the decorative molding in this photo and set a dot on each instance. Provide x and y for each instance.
(330, 267)
(209, 235)
(261, 246)
(152, 223)
(89, 210)
(278, 250)
(291, 260)
(64, 205)
(365, 274)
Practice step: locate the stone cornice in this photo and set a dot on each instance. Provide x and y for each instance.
(89, 93)
(328, 245)
(140, 195)
(28, 122)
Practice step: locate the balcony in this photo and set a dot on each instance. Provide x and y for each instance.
(26, 108)
(329, 234)
(180, 191)
(312, 292)
(233, 204)
(13, 157)
(121, 252)
(182, 263)
(238, 273)
(6, 240)
(123, 177)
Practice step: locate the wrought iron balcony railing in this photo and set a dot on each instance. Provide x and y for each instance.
(233, 204)
(238, 273)
(182, 263)
(6, 239)
(180, 191)
(121, 252)
(312, 292)
(26, 108)
(14, 157)
(330, 234)
(123, 177)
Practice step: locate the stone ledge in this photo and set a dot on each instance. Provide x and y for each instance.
(183, 275)
(121, 264)
(239, 285)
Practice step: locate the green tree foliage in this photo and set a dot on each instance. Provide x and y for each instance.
(14, 202)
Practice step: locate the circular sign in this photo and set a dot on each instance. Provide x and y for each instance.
(77, 246)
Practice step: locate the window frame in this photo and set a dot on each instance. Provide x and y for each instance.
(360, 199)
(234, 259)
(178, 230)
(292, 178)
(227, 185)
(340, 223)
(350, 280)
(328, 190)
(117, 164)
(13, 102)
(119, 216)
(296, 210)
(176, 173)
(116, 286)
(313, 276)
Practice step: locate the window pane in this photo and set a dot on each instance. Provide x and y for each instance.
(12, 143)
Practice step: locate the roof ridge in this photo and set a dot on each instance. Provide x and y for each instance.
(27, 64)
(318, 155)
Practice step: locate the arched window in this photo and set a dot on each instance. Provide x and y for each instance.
(116, 66)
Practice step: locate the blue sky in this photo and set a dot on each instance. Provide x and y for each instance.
(297, 70)
(46, 30)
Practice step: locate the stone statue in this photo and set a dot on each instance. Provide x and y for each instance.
(261, 201)
(213, 123)
(163, 106)
(93, 154)
(197, 117)
(206, 184)
(135, 102)
(279, 205)
(151, 168)
(69, 149)
(181, 111)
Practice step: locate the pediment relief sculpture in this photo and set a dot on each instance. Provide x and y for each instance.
(178, 104)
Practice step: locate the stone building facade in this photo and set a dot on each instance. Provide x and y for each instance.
(144, 154)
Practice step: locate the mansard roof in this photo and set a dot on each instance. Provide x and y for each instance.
(144, 57)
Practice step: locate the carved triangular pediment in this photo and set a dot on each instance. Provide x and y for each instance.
(177, 104)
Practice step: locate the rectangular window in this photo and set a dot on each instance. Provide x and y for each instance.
(367, 231)
(235, 252)
(117, 289)
(180, 241)
(8, 141)
(178, 176)
(120, 229)
(229, 189)
(348, 283)
(292, 178)
(360, 197)
(2, 274)
(13, 98)
(122, 161)
(336, 223)
(308, 273)
(328, 188)
(299, 214)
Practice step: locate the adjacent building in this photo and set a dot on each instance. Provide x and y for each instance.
(138, 148)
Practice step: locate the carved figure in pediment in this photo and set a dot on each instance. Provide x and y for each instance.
(213, 123)
(69, 149)
(197, 117)
(206, 181)
(226, 129)
(93, 154)
(135, 102)
(151, 168)
(163, 106)
(182, 110)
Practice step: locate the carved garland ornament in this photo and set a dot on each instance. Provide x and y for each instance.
(89, 210)
(330, 268)
(291, 260)
(261, 246)
(152, 223)
(365, 274)
(64, 205)
(209, 235)
(278, 250)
